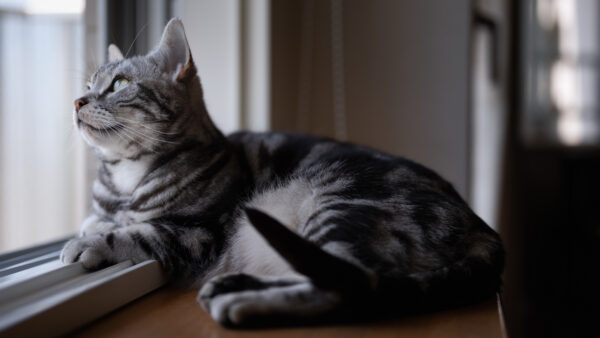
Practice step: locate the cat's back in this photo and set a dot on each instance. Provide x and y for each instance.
(276, 156)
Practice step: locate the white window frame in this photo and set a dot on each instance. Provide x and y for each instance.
(39, 296)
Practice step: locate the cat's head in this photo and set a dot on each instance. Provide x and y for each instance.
(144, 104)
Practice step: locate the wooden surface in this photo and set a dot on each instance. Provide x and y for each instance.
(175, 313)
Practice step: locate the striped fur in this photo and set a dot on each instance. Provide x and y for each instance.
(349, 227)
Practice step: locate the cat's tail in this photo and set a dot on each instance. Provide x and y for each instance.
(473, 279)
(325, 270)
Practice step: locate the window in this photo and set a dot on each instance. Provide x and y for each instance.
(41, 159)
(560, 56)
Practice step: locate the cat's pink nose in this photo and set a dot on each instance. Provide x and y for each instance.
(80, 103)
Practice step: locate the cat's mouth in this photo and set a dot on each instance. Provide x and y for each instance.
(108, 129)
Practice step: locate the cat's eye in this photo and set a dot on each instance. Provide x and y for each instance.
(119, 83)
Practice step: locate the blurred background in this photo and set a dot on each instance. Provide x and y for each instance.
(501, 97)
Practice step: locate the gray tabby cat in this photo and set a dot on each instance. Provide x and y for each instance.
(351, 229)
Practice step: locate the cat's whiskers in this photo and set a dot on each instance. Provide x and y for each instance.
(116, 131)
(106, 124)
(133, 131)
(120, 118)
(132, 139)
(143, 135)
(124, 133)
(135, 39)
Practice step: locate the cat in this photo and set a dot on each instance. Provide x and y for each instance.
(267, 225)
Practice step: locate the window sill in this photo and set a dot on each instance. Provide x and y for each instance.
(41, 297)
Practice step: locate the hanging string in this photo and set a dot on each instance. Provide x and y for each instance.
(306, 65)
(337, 70)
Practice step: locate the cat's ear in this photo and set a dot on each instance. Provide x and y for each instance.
(114, 53)
(173, 52)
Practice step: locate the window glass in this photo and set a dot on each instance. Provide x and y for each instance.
(561, 52)
(41, 156)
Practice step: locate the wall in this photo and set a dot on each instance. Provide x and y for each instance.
(406, 72)
(212, 29)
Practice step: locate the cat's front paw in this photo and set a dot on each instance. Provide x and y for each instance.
(94, 225)
(92, 251)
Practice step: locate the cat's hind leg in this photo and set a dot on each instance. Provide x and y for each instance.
(324, 286)
(242, 299)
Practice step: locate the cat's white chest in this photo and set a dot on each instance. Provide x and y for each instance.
(126, 175)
